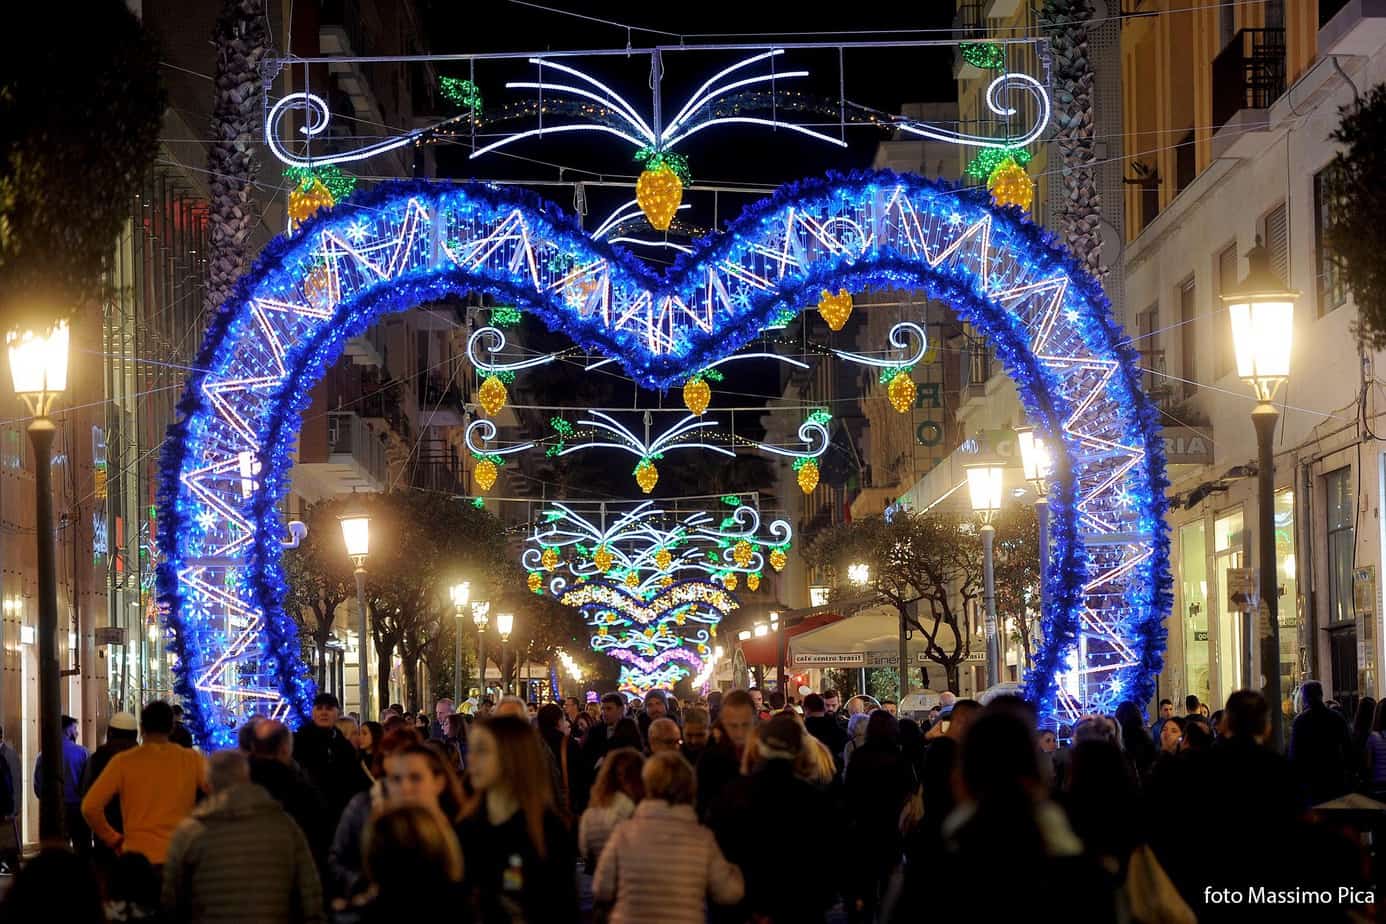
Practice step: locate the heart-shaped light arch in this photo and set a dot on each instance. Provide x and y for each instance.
(407, 244)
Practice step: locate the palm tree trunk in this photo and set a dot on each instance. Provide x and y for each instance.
(242, 42)
(1066, 23)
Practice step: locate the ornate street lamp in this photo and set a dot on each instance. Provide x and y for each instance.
(1261, 309)
(356, 534)
(859, 574)
(460, 593)
(481, 611)
(985, 482)
(38, 370)
(504, 623)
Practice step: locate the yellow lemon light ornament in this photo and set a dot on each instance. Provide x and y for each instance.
(808, 476)
(1009, 184)
(485, 474)
(741, 553)
(602, 559)
(535, 582)
(901, 392)
(697, 394)
(835, 309)
(491, 395)
(778, 559)
(646, 475)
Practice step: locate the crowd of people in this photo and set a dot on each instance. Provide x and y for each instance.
(737, 807)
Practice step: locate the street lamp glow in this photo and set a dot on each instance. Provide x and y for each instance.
(743, 635)
(481, 613)
(461, 592)
(356, 533)
(859, 573)
(38, 365)
(1261, 309)
(504, 623)
(985, 484)
(762, 630)
(1034, 457)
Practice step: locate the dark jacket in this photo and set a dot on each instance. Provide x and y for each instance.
(1321, 753)
(574, 787)
(877, 783)
(775, 882)
(504, 877)
(331, 763)
(290, 787)
(239, 857)
(719, 765)
(827, 730)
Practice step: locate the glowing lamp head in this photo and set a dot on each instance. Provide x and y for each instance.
(460, 593)
(356, 533)
(985, 483)
(761, 630)
(743, 635)
(1034, 457)
(505, 622)
(859, 574)
(1261, 309)
(481, 611)
(38, 364)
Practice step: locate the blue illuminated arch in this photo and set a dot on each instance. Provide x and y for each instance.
(227, 462)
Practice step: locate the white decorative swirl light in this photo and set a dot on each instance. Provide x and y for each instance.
(315, 123)
(898, 341)
(497, 339)
(1006, 82)
(809, 430)
(487, 429)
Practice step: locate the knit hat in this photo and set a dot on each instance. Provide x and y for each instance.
(781, 738)
(124, 721)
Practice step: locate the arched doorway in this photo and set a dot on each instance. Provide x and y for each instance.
(226, 464)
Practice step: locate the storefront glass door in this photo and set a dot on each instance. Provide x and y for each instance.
(1193, 569)
(1229, 551)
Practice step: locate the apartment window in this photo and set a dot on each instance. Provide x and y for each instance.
(1224, 357)
(1188, 336)
(1328, 266)
(1340, 505)
(1185, 165)
(1275, 237)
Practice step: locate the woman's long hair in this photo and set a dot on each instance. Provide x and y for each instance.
(524, 773)
(620, 772)
(408, 844)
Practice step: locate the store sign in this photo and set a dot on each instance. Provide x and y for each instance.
(1187, 446)
(1241, 589)
(110, 635)
(827, 659)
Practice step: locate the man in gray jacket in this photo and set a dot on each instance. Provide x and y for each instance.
(240, 857)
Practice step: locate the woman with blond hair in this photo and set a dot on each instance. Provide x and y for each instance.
(519, 856)
(662, 865)
(613, 799)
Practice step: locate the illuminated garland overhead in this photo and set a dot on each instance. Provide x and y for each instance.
(660, 642)
(400, 245)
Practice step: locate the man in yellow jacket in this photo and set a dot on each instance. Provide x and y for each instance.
(157, 783)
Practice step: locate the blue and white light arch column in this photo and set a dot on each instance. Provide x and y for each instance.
(226, 465)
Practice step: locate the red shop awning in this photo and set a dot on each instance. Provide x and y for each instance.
(766, 649)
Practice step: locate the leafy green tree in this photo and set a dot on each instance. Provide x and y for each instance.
(320, 578)
(1357, 189)
(1018, 576)
(81, 107)
(420, 545)
(928, 566)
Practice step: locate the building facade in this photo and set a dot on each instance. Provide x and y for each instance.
(1237, 137)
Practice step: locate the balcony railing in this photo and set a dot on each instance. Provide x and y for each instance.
(351, 442)
(1154, 379)
(1249, 73)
